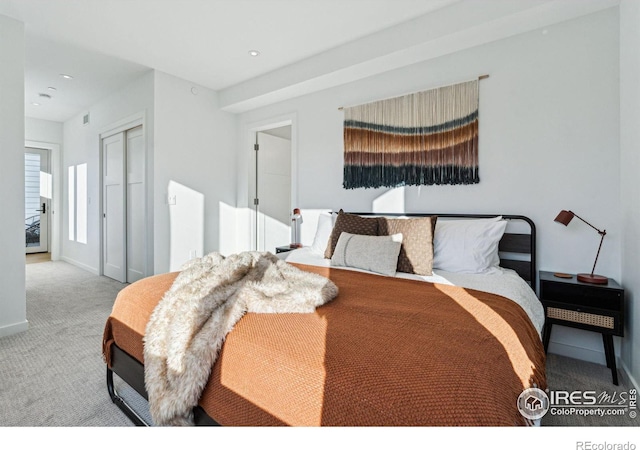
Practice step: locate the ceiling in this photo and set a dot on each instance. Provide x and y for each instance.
(304, 45)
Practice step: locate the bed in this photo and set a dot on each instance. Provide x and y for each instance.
(452, 348)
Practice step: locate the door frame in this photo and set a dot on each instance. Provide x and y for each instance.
(55, 217)
(120, 126)
(253, 130)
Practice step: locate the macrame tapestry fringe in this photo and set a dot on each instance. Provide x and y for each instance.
(426, 138)
(385, 176)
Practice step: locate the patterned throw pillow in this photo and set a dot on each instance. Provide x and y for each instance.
(416, 253)
(350, 223)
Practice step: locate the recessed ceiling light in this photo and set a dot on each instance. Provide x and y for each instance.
(254, 52)
(35, 104)
(51, 88)
(65, 76)
(42, 95)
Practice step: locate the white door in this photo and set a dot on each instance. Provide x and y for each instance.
(124, 219)
(135, 205)
(113, 208)
(37, 199)
(273, 168)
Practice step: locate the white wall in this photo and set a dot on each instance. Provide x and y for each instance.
(549, 139)
(13, 317)
(43, 130)
(47, 134)
(194, 161)
(630, 166)
(82, 145)
(189, 143)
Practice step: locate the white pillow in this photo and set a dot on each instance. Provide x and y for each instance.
(374, 253)
(467, 246)
(323, 232)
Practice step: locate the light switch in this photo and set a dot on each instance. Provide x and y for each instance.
(171, 200)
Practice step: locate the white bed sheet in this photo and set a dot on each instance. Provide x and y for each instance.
(499, 281)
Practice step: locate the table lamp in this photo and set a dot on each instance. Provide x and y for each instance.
(296, 220)
(564, 218)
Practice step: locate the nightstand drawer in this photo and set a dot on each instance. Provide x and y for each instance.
(587, 296)
(568, 315)
(579, 316)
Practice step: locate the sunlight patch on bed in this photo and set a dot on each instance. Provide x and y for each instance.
(498, 327)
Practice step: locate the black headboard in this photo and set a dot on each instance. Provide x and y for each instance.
(518, 249)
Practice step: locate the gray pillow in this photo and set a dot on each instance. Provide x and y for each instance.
(350, 223)
(374, 253)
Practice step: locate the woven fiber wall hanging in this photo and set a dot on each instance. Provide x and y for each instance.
(425, 138)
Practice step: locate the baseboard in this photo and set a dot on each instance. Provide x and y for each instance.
(627, 372)
(581, 353)
(93, 270)
(594, 356)
(14, 328)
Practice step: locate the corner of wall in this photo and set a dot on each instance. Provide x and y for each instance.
(12, 124)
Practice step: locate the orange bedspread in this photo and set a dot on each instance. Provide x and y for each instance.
(386, 351)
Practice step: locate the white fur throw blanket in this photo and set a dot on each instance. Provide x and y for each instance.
(188, 326)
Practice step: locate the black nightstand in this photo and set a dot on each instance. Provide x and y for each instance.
(593, 307)
(284, 248)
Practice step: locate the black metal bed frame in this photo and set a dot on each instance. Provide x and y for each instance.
(131, 371)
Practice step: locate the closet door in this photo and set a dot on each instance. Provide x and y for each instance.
(113, 207)
(124, 217)
(135, 205)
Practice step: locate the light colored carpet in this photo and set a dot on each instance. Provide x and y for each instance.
(53, 374)
(568, 374)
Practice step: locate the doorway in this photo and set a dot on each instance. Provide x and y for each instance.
(272, 188)
(38, 189)
(123, 205)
